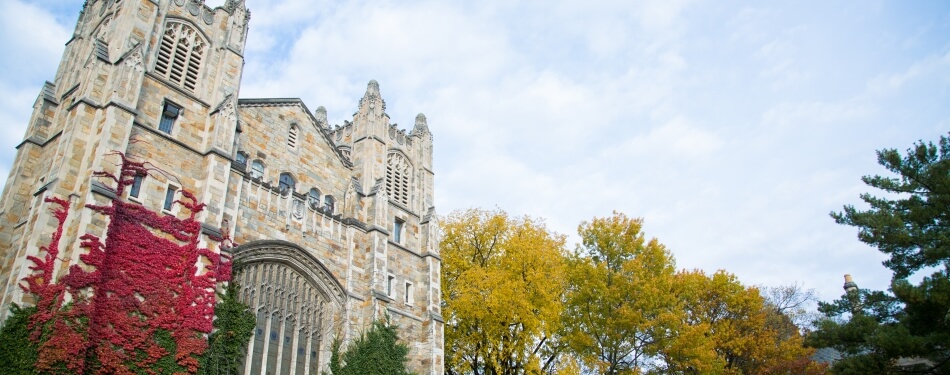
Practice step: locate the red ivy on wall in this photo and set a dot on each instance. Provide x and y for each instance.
(148, 280)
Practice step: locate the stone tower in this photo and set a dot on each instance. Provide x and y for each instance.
(334, 225)
(143, 77)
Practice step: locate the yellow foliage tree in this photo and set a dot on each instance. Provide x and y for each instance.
(728, 328)
(502, 285)
(621, 303)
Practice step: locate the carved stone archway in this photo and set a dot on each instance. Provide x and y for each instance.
(297, 302)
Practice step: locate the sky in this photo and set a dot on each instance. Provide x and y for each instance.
(732, 128)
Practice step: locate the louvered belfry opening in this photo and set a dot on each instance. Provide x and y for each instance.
(180, 55)
(397, 178)
(292, 137)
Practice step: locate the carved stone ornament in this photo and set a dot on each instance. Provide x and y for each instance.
(179, 2)
(193, 8)
(231, 5)
(297, 209)
(134, 60)
(207, 16)
(225, 122)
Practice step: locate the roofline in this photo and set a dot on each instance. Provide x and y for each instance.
(313, 119)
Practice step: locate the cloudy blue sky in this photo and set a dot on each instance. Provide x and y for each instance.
(733, 128)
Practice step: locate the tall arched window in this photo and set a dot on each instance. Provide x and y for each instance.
(398, 171)
(296, 297)
(292, 136)
(180, 55)
(313, 199)
(286, 184)
(328, 203)
(257, 170)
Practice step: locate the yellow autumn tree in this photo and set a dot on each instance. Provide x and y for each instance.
(621, 302)
(503, 280)
(728, 328)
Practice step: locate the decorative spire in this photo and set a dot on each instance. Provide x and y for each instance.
(321, 115)
(421, 127)
(232, 5)
(372, 98)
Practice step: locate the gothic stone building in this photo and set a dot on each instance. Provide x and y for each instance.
(335, 226)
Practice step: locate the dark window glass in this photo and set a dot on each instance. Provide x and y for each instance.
(170, 112)
(241, 158)
(286, 184)
(169, 198)
(328, 203)
(397, 231)
(314, 198)
(257, 170)
(136, 186)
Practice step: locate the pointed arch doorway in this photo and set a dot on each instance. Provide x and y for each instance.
(298, 303)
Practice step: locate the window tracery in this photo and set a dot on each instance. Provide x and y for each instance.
(294, 312)
(398, 171)
(180, 55)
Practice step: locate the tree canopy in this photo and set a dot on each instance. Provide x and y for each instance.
(621, 301)
(907, 328)
(503, 280)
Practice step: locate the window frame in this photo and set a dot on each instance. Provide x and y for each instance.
(398, 178)
(166, 124)
(399, 226)
(408, 298)
(260, 176)
(241, 155)
(391, 285)
(135, 190)
(313, 201)
(286, 188)
(329, 203)
(190, 56)
(168, 204)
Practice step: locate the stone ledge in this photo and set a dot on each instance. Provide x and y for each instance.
(103, 190)
(403, 313)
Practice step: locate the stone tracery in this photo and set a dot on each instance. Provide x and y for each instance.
(296, 301)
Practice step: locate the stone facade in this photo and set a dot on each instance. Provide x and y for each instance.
(334, 225)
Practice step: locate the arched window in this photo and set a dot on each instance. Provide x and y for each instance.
(257, 170)
(180, 55)
(313, 199)
(286, 184)
(292, 136)
(328, 203)
(241, 158)
(398, 170)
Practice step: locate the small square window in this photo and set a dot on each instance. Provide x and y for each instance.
(397, 230)
(169, 198)
(170, 113)
(136, 186)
